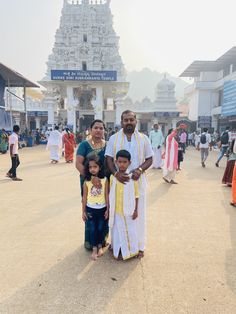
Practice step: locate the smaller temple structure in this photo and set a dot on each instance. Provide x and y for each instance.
(162, 110)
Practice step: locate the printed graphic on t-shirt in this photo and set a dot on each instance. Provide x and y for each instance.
(95, 191)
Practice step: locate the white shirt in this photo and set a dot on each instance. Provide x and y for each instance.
(13, 140)
(132, 148)
(55, 139)
(156, 138)
(208, 140)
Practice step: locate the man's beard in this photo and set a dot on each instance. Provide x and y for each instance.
(129, 129)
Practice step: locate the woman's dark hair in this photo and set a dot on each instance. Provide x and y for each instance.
(16, 128)
(97, 121)
(170, 131)
(68, 131)
(87, 174)
(124, 154)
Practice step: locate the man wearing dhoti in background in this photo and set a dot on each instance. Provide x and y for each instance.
(138, 145)
(55, 144)
(157, 139)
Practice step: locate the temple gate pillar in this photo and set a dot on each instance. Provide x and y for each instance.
(71, 109)
(97, 103)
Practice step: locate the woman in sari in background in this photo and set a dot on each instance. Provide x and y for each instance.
(69, 143)
(228, 174)
(171, 157)
(95, 144)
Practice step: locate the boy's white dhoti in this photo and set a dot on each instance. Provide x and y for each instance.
(123, 228)
(124, 237)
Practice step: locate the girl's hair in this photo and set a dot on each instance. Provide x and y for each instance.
(94, 158)
(97, 121)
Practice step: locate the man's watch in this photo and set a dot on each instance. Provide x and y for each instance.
(140, 169)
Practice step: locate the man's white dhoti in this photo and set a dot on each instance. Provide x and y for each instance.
(55, 152)
(141, 220)
(157, 160)
(54, 144)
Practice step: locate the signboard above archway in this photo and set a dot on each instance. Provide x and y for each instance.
(70, 75)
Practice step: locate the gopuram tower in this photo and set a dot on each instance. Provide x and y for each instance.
(85, 76)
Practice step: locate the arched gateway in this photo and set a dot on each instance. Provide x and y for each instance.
(85, 76)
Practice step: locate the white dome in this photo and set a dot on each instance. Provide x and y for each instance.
(165, 84)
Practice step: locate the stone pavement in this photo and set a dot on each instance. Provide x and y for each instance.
(190, 262)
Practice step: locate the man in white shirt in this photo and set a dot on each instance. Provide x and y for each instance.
(13, 148)
(139, 146)
(157, 139)
(203, 145)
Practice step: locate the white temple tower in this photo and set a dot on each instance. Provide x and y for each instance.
(165, 104)
(85, 71)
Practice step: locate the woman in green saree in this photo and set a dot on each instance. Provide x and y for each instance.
(94, 145)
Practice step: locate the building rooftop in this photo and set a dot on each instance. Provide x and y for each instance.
(207, 66)
(13, 78)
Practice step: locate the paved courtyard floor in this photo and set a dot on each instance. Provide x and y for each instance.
(190, 262)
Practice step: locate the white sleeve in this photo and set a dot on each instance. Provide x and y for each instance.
(148, 148)
(12, 140)
(209, 138)
(110, 147)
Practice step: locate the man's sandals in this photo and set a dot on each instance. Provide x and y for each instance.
(233, 204)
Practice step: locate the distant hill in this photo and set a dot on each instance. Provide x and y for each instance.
(143, 84)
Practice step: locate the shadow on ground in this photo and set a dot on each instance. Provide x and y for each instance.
(74, 285)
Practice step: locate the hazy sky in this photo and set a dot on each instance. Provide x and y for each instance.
(164, 35)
